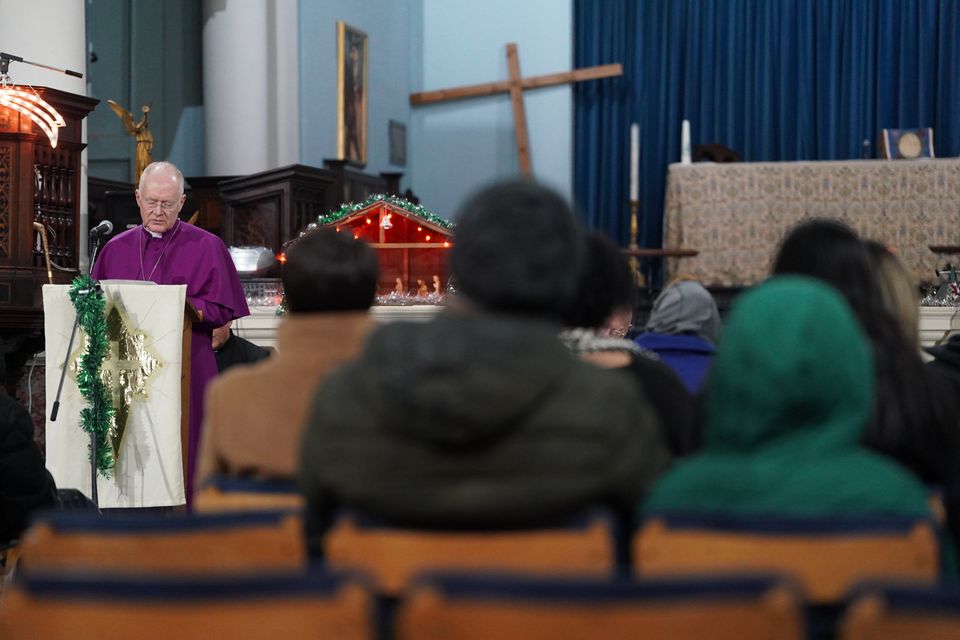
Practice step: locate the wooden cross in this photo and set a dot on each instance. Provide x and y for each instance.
(515, 86)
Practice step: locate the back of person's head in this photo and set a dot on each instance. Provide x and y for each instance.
(606, 285)
(793, 361)
(831, 251)
(898, 290)
(330, 271)
(685, 307)
(518, 248)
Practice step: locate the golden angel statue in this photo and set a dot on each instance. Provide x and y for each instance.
(141, 131)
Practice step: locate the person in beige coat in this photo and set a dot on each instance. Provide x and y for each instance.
(255, 414)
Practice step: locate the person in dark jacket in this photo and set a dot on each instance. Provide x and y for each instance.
(25, 484)
(481, 418)
(607, 291)
(231, 350)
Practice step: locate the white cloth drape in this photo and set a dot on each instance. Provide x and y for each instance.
(149, 470)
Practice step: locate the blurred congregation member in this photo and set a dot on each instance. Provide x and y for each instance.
(607, 292)
(481, 417)
(909, 422)
(683, 329)
(25, 483)
(899, 291)
(231, 350)
(256, 413)
(791, 392)
(898, 288)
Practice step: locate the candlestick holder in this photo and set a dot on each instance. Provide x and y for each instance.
(638, 277)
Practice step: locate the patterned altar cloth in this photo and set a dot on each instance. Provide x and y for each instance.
(735, 214)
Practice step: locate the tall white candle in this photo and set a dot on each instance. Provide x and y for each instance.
(634, 161)
(685, 142)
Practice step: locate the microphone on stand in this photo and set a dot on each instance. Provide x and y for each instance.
(105, 228)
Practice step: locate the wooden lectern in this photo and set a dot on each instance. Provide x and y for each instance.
(148, 372)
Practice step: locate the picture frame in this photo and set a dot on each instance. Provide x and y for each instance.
(397, 136)
(352, 62)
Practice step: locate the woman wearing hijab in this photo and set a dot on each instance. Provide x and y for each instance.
(788, 399)
(683, 328)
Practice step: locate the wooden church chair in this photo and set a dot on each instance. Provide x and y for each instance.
(223, 494)
(827, 555)
(902, 613)
(393, 555)
(267, 607)
(907, 144)
(184, 544)
(452, 607)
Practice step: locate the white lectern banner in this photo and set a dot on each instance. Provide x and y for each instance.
(149, 463)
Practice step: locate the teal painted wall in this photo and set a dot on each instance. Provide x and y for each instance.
(458, 146)
(146, 53)
(150, 53)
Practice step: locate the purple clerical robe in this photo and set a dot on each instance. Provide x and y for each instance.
(183, 255)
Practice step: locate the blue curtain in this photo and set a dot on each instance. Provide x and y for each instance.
(772, 79)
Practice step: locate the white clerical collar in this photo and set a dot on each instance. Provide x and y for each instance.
(160, 235)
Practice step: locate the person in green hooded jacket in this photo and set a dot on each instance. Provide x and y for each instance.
(791, 391)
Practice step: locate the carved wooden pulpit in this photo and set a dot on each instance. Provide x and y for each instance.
(39, 206)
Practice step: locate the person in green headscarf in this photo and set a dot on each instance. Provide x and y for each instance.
(791, 391)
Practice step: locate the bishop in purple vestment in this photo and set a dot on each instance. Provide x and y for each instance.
(166, 250)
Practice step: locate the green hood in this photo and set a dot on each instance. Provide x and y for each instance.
(795, 371)
(790, 393)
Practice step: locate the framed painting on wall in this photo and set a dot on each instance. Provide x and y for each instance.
(351, 94)
(397, 136)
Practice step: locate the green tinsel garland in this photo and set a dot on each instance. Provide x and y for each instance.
(97, 416)
(347, 209)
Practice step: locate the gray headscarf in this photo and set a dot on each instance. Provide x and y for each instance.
(685, 307)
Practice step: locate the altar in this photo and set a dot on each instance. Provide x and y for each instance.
(736, 214)
(260, 327)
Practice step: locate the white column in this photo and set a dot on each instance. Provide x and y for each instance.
(236, 86)
(51, 32)
(284, 88)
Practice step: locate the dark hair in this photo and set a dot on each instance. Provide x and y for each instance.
(606, 284)
(330, 271)
(907, 422)
(831, 251)
(517, 248)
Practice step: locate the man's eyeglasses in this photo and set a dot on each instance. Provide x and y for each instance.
(163, 204)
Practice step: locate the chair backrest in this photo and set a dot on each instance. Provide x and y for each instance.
(902, 613)
(393, 555)
(92, 607)
(202, 544)
(907, 144)
(222, 494)
(826, 555)
(474, 608)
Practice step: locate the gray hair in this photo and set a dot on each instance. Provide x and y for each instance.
(161, 165)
